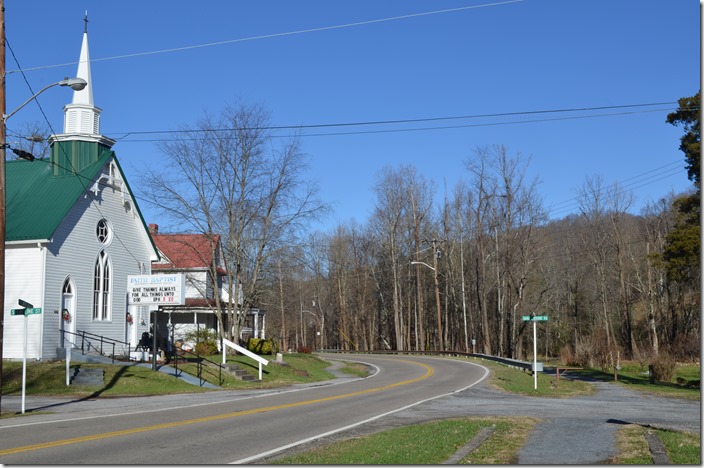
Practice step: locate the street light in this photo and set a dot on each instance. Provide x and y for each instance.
(422, 263)
(436, 256)
(315, 340)
(77, 84)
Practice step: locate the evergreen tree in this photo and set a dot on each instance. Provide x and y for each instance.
(682, 251)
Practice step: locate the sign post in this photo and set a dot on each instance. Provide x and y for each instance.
(534, 319)
(28, 309)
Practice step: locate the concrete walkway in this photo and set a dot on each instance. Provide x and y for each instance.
(188, 378)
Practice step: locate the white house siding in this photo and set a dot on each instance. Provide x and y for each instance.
(23, 280)
(73, 253)
(195, 283)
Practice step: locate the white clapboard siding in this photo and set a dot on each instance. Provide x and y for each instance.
(74, 251)
(23, 280)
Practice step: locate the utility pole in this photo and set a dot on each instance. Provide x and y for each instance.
(436, 253)
(2, 187)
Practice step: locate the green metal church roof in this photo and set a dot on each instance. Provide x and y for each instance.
(37, 200)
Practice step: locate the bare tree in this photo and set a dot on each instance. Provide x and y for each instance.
(485, 186)
(388, 227)
(227, 176)
(32, 137)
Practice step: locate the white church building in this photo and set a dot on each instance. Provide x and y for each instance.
(74, 233)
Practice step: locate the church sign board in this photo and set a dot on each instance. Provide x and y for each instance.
(144, 290)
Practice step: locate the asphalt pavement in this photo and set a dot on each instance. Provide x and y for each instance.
(577, 430)
(580, 430)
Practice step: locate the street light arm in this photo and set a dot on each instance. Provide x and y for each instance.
(422, 263)
(76, 84)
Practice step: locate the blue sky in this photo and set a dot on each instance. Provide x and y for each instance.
(323, 62)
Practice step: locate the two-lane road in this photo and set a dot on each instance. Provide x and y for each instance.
(228, 426)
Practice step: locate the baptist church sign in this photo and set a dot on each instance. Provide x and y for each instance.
(156, 289)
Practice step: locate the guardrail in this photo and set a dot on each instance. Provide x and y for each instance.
(507, 361)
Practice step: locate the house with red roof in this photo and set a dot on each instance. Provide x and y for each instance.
(200, 258)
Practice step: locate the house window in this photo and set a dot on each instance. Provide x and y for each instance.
(101, 288)
(103, 231)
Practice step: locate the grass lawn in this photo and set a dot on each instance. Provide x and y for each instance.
(297, 368)
(423, 444)
(635, 377)
(49, 378)
(683, 448)
(514, 380)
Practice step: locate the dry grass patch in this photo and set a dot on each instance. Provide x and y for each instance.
(632, 447)
(510, 435)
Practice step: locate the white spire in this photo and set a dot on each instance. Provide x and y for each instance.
(84, 96)
(81, 116)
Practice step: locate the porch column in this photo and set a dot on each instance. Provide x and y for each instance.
(255, 324)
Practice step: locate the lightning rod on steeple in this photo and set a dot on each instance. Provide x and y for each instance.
(85, 20)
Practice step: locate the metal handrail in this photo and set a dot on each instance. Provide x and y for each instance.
(199, 365)
(100, 338)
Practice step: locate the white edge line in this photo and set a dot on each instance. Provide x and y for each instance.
(195, 405)
(335, 431)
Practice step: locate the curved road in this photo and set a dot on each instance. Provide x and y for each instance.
(225, 426)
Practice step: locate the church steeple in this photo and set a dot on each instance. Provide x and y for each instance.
(81, 116)
(81, 140)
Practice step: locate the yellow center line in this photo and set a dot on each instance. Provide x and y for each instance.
(106, 435)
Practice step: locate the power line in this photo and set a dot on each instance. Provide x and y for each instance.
(275, 35)
(123, 137)
(637, 181)
(78, 177)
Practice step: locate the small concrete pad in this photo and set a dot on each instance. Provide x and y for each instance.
(483, 434)
(657, 449)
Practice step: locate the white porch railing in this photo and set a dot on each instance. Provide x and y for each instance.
(244, 351)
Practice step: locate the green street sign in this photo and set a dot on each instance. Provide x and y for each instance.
(535, 318)
(26, 311)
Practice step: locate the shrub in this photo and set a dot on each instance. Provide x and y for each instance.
(206, 341)
(567, 357)
(205, 348)
(687, 347)
(259, 346)
(664, 367)
(304, 349)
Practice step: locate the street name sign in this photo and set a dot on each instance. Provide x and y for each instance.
(535, 318)
(26, 311)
